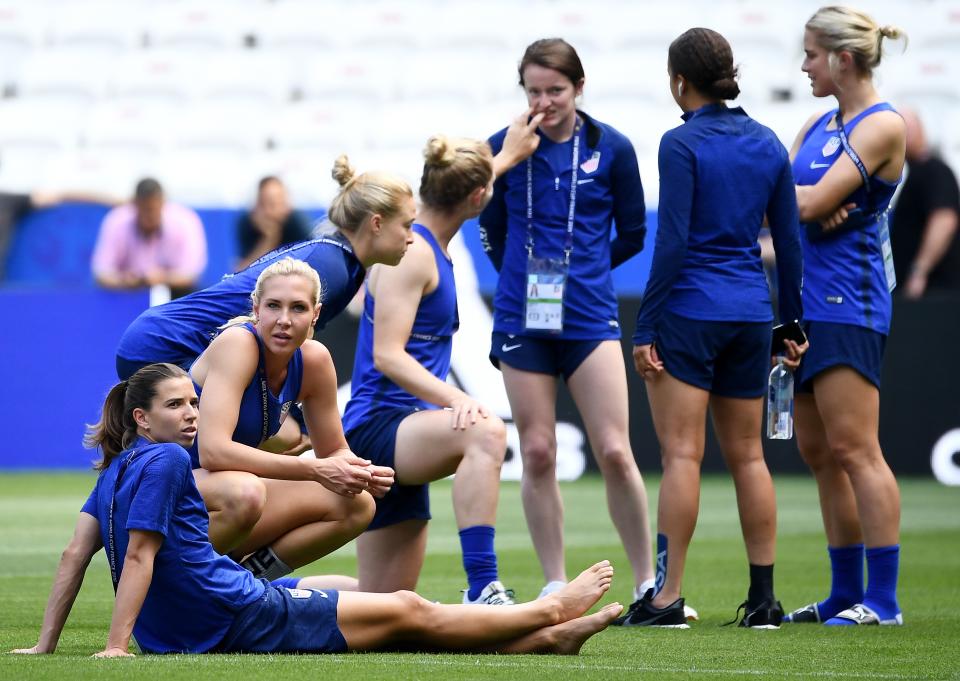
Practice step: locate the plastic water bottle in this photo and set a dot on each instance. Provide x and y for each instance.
(780, 403)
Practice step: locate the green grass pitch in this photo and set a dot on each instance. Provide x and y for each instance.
(37, 514)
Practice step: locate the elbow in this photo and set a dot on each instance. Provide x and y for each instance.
(382, 362)
(211, 458)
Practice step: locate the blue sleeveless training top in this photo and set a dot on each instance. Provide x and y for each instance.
(843, 275)
(251, 422)
(178, 331)
(430, 343)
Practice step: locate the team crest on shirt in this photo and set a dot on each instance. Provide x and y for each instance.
(284, 409)
(591, 164)
(830, 148)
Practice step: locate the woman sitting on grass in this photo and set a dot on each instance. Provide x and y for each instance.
(176, 594)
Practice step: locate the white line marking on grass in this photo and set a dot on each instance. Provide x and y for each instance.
(635, 668)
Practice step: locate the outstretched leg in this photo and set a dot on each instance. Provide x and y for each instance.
(404, 619)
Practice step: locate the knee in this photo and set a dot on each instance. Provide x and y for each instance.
(854, 454)
(244, 501)
(616, 459)
(414, 608)
(489, 439)
(539, 453)
(359, 510)
(680, 455)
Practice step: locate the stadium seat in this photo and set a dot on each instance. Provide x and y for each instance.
(199, 26)
(99, 27)
(67, 74)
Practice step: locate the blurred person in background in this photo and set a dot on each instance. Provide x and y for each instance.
(926, 250)
(272, 223)
(551, 219)
(847, 162)
(150, 241)
(703, 335)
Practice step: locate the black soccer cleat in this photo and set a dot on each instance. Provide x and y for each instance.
(808, 614)
(642, 613)
(764, 615)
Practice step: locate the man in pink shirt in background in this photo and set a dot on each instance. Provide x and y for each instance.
(150, 241)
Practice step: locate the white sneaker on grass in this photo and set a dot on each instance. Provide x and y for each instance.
(551, 587)
(493, 593)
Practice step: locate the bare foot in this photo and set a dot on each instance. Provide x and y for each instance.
(570, 636)
(580, 594)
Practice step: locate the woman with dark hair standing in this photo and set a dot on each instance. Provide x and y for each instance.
(547, 230)
(703, 336)
(849, 159)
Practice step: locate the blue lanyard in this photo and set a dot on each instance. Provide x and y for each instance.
(855, 157)
(568, 247)
(111, 542)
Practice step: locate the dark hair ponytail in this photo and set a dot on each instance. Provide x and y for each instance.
(705, 59)
(116, 430)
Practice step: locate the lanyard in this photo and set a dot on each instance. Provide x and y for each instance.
(568, 247)
(111, 542)
(855, 158)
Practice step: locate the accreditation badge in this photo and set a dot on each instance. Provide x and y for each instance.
(886, 248)
(546, 284)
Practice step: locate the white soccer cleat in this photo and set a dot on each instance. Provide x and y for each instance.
(551, 587)
(493, 593)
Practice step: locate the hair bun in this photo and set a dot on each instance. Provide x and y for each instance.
(439, 151)
(342, 171)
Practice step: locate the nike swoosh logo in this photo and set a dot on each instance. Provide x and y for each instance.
(814, 165)
(508, 348)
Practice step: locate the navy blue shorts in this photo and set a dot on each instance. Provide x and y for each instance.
(286, 621)
(728, 359)
(376, 439)
(833, 345)
(553, 356)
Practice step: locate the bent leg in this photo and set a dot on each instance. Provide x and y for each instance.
(303, 521)
(234, 501)
(533, 398)
(679, 418)
(390, 558)
(599, 388)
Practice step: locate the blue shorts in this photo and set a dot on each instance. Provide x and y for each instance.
(833, 345)
(286, 621)
(728, 359)
(553, 356)
(376, 439)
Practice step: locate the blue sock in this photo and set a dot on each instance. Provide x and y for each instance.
(846, 587)
(479, 558)
(883, 565)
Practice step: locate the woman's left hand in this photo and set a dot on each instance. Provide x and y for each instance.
(839, 216)
(795, 353)
(646, 361)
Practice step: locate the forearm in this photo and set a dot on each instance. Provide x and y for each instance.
(410, 375)
(937, 237)
(227, 455)
(131, 592)
(66, 586)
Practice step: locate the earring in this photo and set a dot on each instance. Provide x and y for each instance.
(680, 89)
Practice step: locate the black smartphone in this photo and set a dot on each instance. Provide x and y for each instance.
(788, 331)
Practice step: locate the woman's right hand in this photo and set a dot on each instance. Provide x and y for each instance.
(794, 353)
(520, 142)
(647, 361)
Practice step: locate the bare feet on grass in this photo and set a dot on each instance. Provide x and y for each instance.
(566, 638)
(584, 591)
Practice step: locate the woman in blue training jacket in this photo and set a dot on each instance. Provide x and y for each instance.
(848, 162)
(704, 326)
(547, 230)
(175, 594)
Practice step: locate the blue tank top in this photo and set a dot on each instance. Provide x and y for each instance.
(253, 425)
(843, 275)
(180, 330)
(430, 343)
